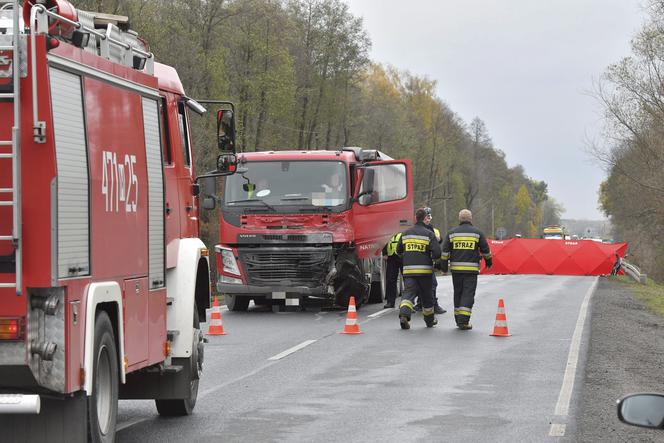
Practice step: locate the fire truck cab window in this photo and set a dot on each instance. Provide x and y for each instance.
(184, 134)
(280, 184)
(390, 183)
(166, 135)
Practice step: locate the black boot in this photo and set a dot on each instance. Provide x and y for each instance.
(439, 309)
(388, 305)
(430, 321)
(404, 316)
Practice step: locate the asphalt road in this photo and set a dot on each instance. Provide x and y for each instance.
(387, 384)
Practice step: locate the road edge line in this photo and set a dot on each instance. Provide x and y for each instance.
(565, 396)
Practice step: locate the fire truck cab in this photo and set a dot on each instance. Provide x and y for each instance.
(103, 279)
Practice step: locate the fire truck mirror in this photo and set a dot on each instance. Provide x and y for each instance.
(226, 164)
(208, 187)
(226, 130)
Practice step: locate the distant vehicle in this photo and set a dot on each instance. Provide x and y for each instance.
(644, 410)
(554, 232)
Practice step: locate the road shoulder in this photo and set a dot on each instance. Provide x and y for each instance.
(625, 355)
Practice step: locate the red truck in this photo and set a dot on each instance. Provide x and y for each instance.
(300, 226)
(103, 279)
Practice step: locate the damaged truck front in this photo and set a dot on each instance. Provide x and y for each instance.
(299, 226)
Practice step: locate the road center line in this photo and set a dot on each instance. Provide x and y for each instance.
(557, 430)
(214, 389)
(288, 352)
(379, 313)
(562, 407)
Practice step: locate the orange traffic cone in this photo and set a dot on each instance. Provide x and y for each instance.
(500, 327)
(351, 319)
(216, 328)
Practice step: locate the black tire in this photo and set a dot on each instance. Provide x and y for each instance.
(103, 403)
(237, 303)
(185, 406)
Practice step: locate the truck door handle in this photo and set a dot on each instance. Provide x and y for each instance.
(189, 208)
(403, 222)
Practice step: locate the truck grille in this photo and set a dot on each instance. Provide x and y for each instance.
(286, 266)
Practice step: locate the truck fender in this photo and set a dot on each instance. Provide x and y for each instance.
(102, 292)
(181, 286)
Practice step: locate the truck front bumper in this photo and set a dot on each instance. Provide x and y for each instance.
(273, 292)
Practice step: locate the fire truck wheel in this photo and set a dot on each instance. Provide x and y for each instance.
(185, 406)
(237, 303)
(103, 403)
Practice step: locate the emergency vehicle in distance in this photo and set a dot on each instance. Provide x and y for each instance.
(103, 279)
(554, 232)
(298, 225)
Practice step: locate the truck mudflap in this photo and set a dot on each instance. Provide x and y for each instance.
(60, 420)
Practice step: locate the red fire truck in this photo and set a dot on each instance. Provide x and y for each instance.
(103, 279)
(309, 226)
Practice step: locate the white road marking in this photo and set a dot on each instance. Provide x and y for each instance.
(557, 430)
(214, 389)
(129, 423)
(379, 313)
(562, 407)
(288, 352)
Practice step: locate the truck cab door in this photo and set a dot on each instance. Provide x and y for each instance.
(383, 203)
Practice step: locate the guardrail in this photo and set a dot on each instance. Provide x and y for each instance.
(634, 272)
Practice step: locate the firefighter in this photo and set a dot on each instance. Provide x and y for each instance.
(434, 281)
(462, 247)
(392, 269)
(418, 248)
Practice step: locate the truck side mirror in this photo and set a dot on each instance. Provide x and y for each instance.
(366, 187)
(208, 187)
(226, 130)
(226, 164)
(368, 181)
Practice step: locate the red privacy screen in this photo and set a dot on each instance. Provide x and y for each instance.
(554, 257)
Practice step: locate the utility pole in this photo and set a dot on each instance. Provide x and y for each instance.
(493, 223)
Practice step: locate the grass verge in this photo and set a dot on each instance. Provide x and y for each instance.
(652, 294)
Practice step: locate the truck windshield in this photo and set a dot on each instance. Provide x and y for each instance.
(306, 184)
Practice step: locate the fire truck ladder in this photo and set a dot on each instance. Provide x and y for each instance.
(14, 155)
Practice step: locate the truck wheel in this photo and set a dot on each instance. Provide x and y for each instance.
(185, 406)
(236, 303)
(103, 403)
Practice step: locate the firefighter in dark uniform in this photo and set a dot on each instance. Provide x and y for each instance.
(462, 246)
(418, 248)
(392, 269)
(434, 281)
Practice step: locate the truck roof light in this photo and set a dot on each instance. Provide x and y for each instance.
(11, 329)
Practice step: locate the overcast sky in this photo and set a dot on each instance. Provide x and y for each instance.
(525, 67)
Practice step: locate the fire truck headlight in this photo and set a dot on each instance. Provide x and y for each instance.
(229, 263)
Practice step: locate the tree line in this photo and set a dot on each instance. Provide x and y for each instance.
(631, 93)
(300, 74)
